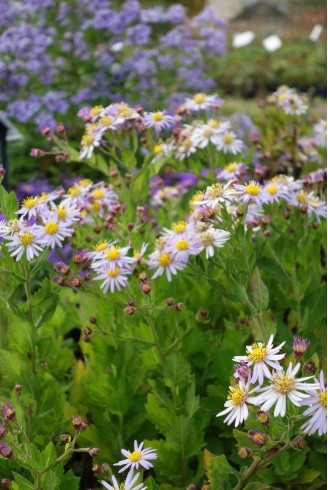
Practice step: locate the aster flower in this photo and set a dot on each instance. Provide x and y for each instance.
(274, 191)
(211, 238)
(160, 151)
(139, 457)
(289, 101)
(231, 171)
(283, 386)
(25, 241)
(217, 194)
(229, 143)
(158, 120)
(205, 134)
(317, 403)
(186, 148)
(182, 247)
(53, 231)
(250, 192)
(300, 346)
(112, 278)
(90, 140)
(129, 483)
(164, 262)
(236, 404)
(260, 356)
(320, 133)
(113, 257)
(199, 102)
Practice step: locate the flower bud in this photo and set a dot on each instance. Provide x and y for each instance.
(145, 287)
(143, 276)
(18, 388)
(263, 418)
(84, 427)
(97, 228)
(299, 347)
(130, 226)
(94, 452)
(129, 310)
(96, 468)
(2, 431)
(242, 369)
(179, 306)
(65, 438)
(5, 451)
(93, 320)
(244, 452)
(60, 128)
(105, 467)
(257, 437)
(170, 302)
(77, 422)
(5, 483)
(309, 368)
(8, 411)
(87, 330)
(192, 486)
(86, 339)
(301, 443)
(75, 282)
(131, 302)
(62, 268)
(267, 233)
(35, 152)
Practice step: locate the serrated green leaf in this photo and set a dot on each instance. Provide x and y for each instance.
(260, 292)
(176, 369)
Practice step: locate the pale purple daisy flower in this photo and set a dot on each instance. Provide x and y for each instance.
(250, 192)
(139, 457)
(317, 403)
(182, 247)
(53, 232)
(112, 278)
(158, 120)
(164, 262)
(229, 143)
(212, 238)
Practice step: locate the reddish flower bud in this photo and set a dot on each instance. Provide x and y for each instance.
(62, 268)
(179, 306)
(5, 483)
(300, 346)
(18, 388)
(257, 437)
(77, 422)
(8, 411)
(94, 452)
(2, 431)
(170, 302)
(5, 451)
(244, 452)
(263, 418)
(93, 320)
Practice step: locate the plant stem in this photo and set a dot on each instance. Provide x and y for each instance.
(248, 473)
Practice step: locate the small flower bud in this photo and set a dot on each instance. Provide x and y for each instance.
(300, 346)
(263, 418)
(145, 287)
(8, 411)
(105, 467)
(267, 233)
(131, 302)
(84, 427)
(60, 281)
(130, 226)
(62, 268)
(192, 486)
(96, 468)
(5, 483)
(97, 228)
(94, 452)
(86, 339)
(265, 220)
(18, 388)
(309, 367)
(244, 452)
(75, 282)
(60, 128)
(5, 451)
(179, 306)
(170, 302)
(315, 225)
(301, 443)
(257, 437)
(129, 310)
(87, 330)
(2, 431)
(143, 276)
(77, 422)
(65, 438)
(93, 320)
(242, 369)
(35, 152)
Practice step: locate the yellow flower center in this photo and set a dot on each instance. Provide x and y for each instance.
(95, 206)
(323, 399)
(283, 384)
(215, 190)
(113, 273)
(179, 227)
(271, 189)
(164, 260)
(124, 110)
(87, 139)
(301, 197)
(100, 247)
(258, 353)
(106, 121)
(158, 149)
(195, 198)
(237, 395)
(29, 202)
(228, 139)
(214, 123)
(182, 245)
(26, 239)
(135, 456)
(98, 194)
(96, 110)
(51, 228)
(199, 98)
(158, 116)
(62, 213)
(281, 97)
(84, 182)
(73, 191)
(253, 189)
(43, 197)
(231, 167)
(113, 253)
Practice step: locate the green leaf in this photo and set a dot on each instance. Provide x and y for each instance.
(160, 416)
(8, 203)
(48, 455)
(242, 438)
(259, 291)
(176, 369)
(43, 303)
(272, 269)
(306, 476)
(23, 483)
(151, 484)
(256, 486)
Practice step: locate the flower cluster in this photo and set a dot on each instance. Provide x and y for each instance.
(43, 45)
(289, 101)
(277, 387)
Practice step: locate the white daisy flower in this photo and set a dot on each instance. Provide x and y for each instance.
(139, 457)
(181, 247)
(236, 404)
(211, 238)
(217, 194)
(25, 241)
(229, 143)
(283, 386)
(250, 192)
(129, 483)
(164, 262)
(113, 278)
(317, 403)
(205, 134)
(53, 232)
(199, 102)
(260, 356)
(158, 120)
